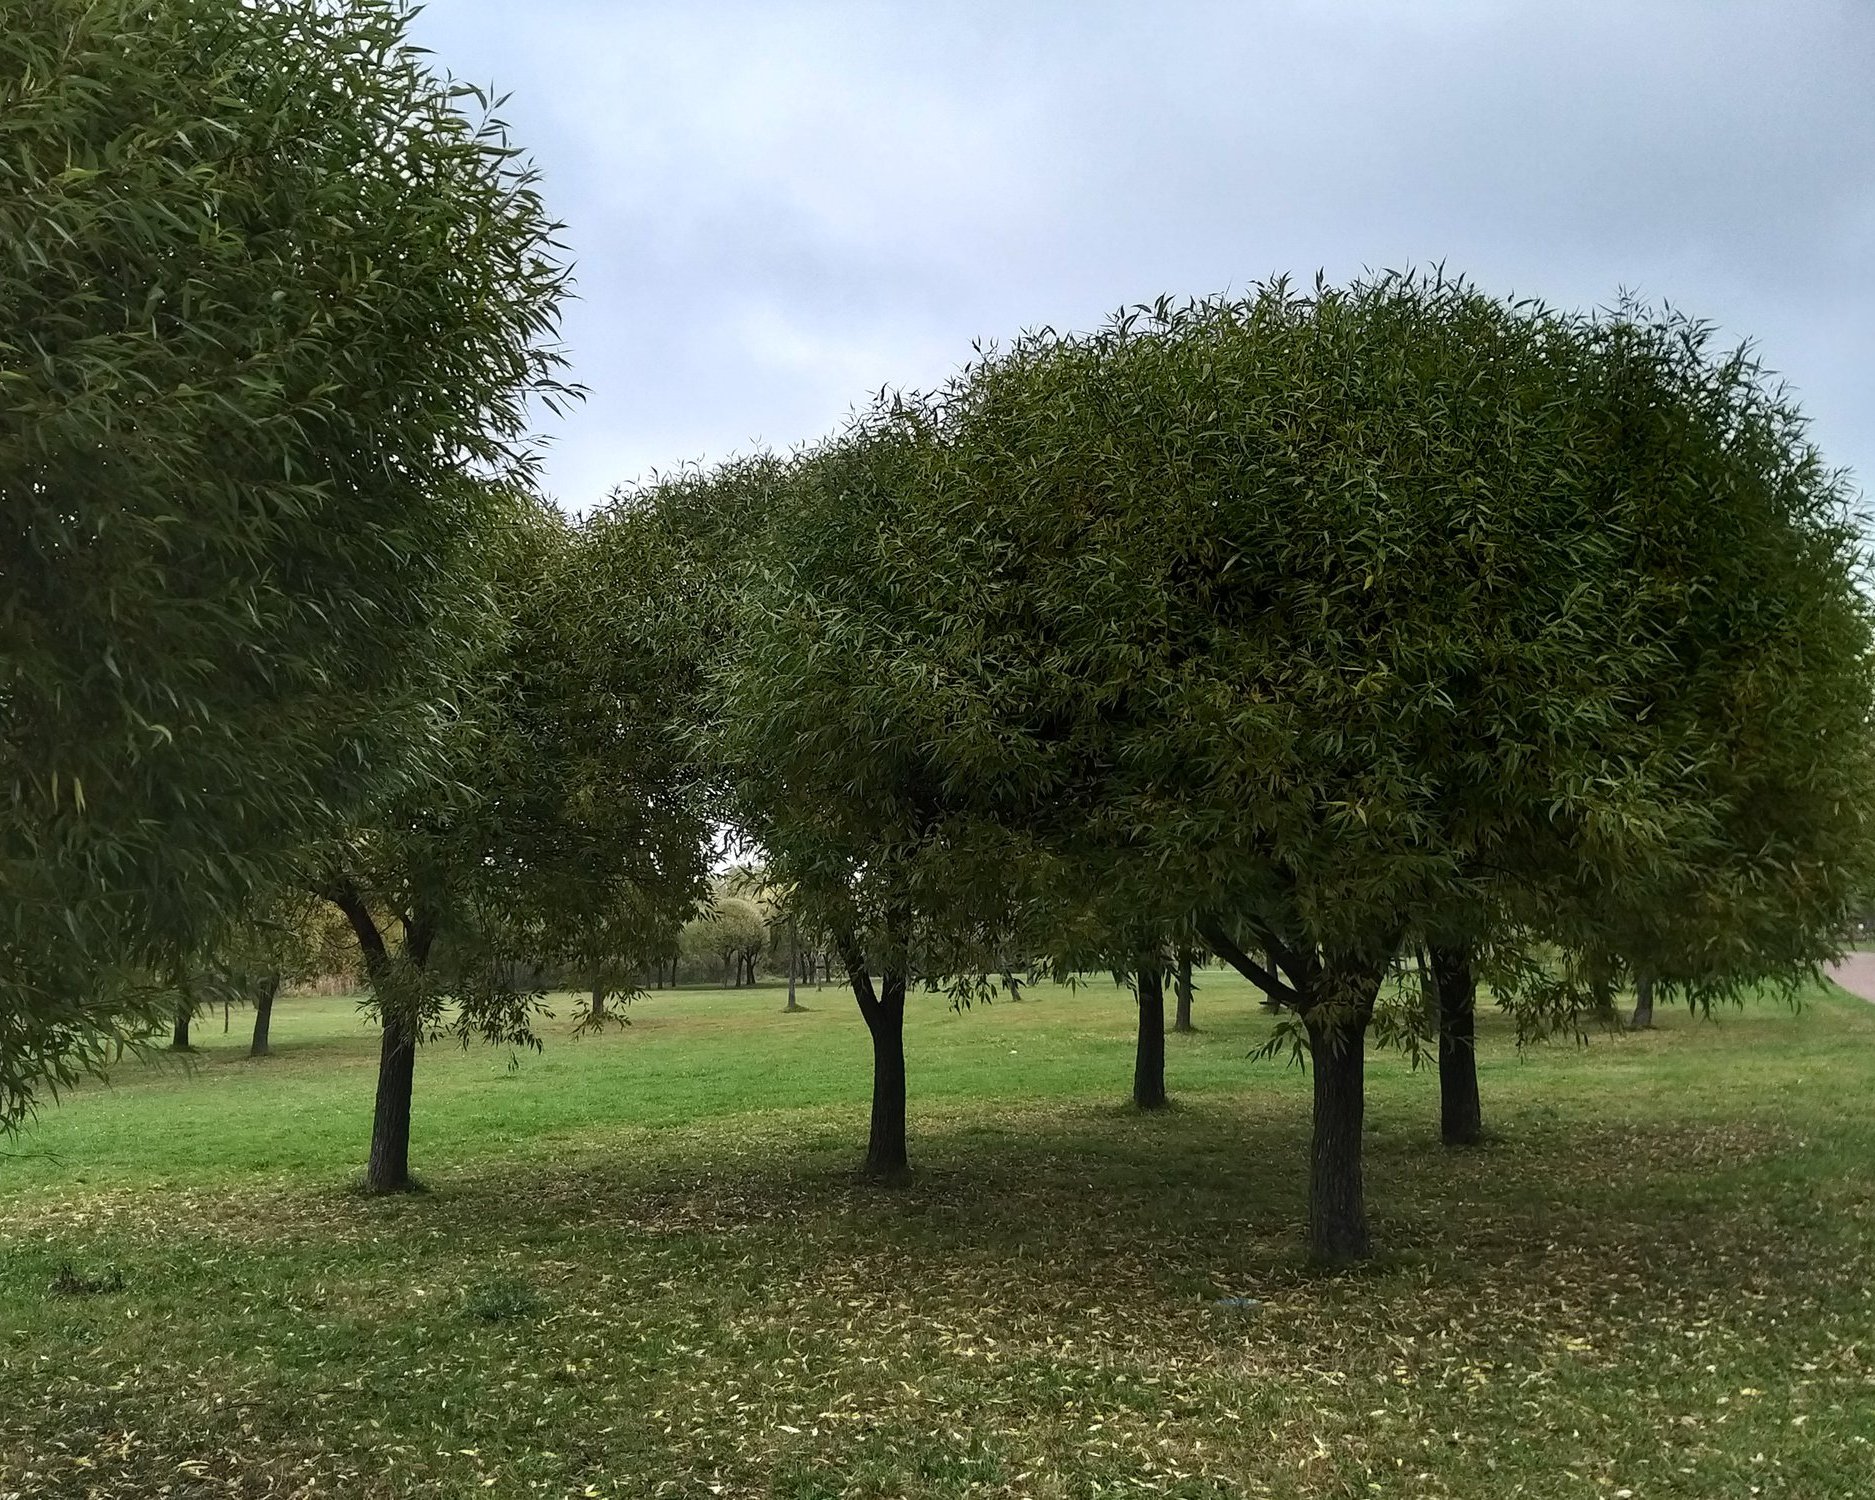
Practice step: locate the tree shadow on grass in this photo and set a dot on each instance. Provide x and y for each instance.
(1215, 1192)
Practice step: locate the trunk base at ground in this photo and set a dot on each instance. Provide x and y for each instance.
(1339, 1010)
(388, 1168)
(1149, 1051)
(263, 1019)
(1643, 1017)
(1337, 1201)
(1461, 1116)
(886, 1158)
(1181, 1014)
(179, 1034)
(884, 1013)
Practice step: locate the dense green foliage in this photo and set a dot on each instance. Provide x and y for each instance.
(1331, 619)
(567, 832)
(273, 301)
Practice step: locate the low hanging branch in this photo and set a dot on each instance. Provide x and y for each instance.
(1226, 948)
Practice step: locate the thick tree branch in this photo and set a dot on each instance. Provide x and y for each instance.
(344, 894)
(855, 960)
(419, 938)
(1225, 947)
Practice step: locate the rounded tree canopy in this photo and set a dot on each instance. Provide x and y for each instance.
(274, 300)
(1394, 606)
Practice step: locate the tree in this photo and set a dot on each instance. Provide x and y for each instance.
(274, 304)
(825, 765)
(1455, 993)
(288, 938)
(568, 834)
(1759, 630)
(1149, 1049)
(1182, 991)
(731, 933)
(794, 964)
(1328, 620)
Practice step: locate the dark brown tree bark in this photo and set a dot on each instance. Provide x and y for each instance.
(1263, 971)
(263, 1015)
(1337, 1197)
(1337, 994)
(387, 1167)
(1271, 1001)
(1149, 1050)
(1181, 1015)
(1461, 1117)
(179, 1032)
(1335, 999)
(1643, 1017)
(598, 999)
(884, 1013)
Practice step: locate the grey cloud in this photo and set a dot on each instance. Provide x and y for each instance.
(776, 209)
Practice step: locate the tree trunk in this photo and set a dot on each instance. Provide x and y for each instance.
(886, 1159)
(1643, 1017)
(1461, 1119)
(1335, 999)
(1182, 989)
(1149, 1052)
(1337, 1202)
(884, 1014)
(1271, 1001)
(1341, 1006)
(793, 963)
(263, 1016)
(179, 1034)
(387, 1170)
(598, 999)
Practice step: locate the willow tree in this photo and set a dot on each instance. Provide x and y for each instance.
(274, 301)
(1315, 621)
(814, 722)
(569, 833)
(1751, 601)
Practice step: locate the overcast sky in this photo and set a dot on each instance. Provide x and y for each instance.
(775, 209)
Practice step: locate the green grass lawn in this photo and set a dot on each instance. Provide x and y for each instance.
(644, 1268)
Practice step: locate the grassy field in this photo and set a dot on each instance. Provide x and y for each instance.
(644, 1268)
